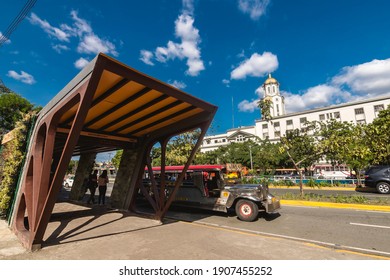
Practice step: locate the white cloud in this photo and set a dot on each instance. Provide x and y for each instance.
(188, 47)
(49, 29)
(371, 78)
(226, 82)
(92, 44)
(146, 57)
(256, 66)
(24, 77)
(315, 97)
(188, 6)
(255, 8)
(8, 41)
(178, 84)
(81, 63)
(81, 25)
(248, 106)
(60, 48)
(355, 82)
(89, 42)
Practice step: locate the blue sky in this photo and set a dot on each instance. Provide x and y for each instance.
(321, 52)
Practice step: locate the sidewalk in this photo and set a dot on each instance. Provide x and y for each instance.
(78, 232)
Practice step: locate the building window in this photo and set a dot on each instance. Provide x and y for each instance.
(289, 122)
(289, 131)
(215, 141)
(265, 126)
(322, 117)
(303, 120)
(378, 108)
(336, 115)
(359, 111)
(223, 140)
(277, 109)
(277, 124)
(277, 134)
(265, 135)
(240, 138)
(329, 116)
(208, 141)
(361, 121)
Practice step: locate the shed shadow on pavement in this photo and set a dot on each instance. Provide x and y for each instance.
(75, 221)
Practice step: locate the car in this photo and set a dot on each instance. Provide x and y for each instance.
(378, 177)
(68, 182)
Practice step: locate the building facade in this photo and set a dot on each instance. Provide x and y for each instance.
(363, 111)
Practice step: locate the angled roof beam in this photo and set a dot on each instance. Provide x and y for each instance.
(106, 94)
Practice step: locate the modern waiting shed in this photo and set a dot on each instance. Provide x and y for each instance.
(106, 107)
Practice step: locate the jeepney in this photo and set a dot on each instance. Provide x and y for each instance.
(204, 187)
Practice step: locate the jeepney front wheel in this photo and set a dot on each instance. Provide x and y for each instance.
(247, 210)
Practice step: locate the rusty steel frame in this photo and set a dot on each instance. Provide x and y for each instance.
(46, 170)
(159, 201)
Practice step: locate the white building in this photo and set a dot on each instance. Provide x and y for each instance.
(363, 111)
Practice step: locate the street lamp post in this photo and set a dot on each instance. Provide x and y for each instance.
(250, 155)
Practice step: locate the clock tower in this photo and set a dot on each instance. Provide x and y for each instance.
(271, 92)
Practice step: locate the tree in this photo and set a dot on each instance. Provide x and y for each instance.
(265, 106)
(12, 108)
(378, 135)
(178, 149)
(267, 156)
(302, 149)
(117, 158)
(344, 142)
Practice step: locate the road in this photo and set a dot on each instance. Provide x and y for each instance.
(361, 231)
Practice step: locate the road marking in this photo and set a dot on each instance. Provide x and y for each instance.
(377, 212)
(367, 225)
(302, 206)
(325, 245)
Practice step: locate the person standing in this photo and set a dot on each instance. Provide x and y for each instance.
(92, 185)
(102, 183)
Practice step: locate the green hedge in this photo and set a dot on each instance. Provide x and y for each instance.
(12, 157)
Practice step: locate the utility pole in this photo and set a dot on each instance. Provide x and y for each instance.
(250, 155)
(232, 112)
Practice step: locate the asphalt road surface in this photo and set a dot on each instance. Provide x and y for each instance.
(362, 231)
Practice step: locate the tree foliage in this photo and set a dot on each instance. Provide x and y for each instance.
(117, 158)
(265, 106)
(12, 108)
(302, 148)
(378, 135)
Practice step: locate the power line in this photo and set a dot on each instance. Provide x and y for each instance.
(22, 14)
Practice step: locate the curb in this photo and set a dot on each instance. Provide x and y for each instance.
(321, 188)
(381, 208)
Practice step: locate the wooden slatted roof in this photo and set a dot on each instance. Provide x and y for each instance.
(127, 106)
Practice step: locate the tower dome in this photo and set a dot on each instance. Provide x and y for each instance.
(270, 80)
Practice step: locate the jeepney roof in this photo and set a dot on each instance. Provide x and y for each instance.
(191, 168)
